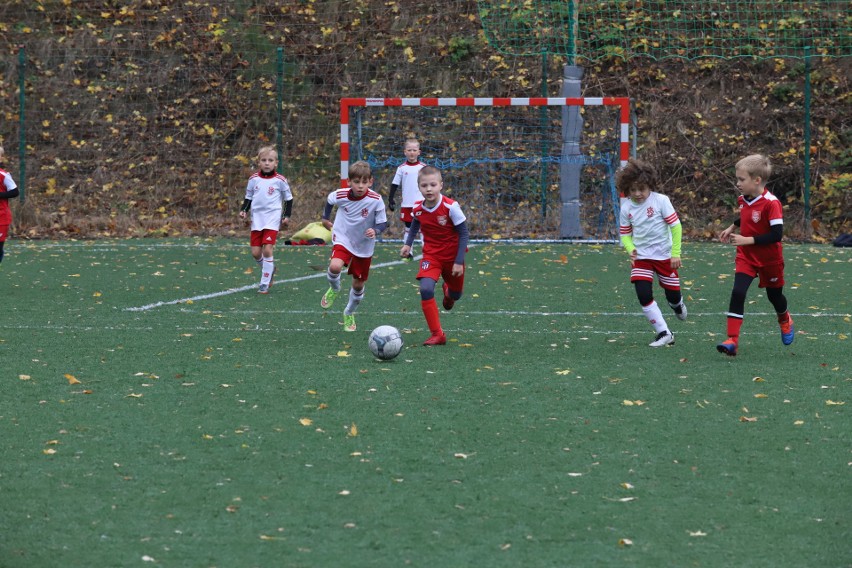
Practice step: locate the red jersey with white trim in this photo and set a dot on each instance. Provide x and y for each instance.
(267, 194)
(406, 178)
(756, 218)
(8, 185)
(438, 227)
(354, 216)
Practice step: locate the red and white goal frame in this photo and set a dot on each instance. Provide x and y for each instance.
(347, 103)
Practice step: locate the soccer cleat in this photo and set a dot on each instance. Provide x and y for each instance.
(728, 347)
(448, 302)
(788, 332)
(328, 298)
(263, 289)
(663, 338)
(349, 322)
(682, 315)
(436, 339)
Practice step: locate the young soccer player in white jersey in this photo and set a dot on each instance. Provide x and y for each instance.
(406, 178)
(8, 189)
(651, 234)
(360, 218)
(445, 239)
(268, 196)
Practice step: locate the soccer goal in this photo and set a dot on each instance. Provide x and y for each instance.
(522, 168)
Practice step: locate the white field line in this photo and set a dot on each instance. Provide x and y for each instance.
(229, 291)
(498, 313)
(335, 327)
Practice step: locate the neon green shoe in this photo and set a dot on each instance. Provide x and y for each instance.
(349, 322)
(328, 298)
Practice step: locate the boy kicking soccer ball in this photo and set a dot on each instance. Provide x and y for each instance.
(360, 218)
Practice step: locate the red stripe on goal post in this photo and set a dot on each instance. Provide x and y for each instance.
(347, 102)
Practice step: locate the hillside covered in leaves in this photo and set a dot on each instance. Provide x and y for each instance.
(141, 118)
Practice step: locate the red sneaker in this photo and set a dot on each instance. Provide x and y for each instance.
(437, 339)
(448, 302)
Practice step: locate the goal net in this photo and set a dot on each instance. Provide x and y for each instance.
(518, 166)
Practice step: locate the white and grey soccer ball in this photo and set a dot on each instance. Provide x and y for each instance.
(385, 342)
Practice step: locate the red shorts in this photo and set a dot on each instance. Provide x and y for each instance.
(771, 276)
(645, 269)
(359, 267)
(405, 214)
(436, 270)
(264, 237)
(4, 232)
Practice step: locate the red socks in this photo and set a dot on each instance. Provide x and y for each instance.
(433, 320)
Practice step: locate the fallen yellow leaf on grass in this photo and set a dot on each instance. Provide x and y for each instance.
(24, 377)
(748, 419)
(353, 431)
(305, 421)
(343, 354)
(49, 451)
(625, 542)
(72, 380)
(834, 403)
(761, 395)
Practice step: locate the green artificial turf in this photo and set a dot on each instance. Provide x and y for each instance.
(208, 425)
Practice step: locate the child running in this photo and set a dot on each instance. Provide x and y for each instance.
(759, 250)
(445, 239)
(360, 218)
(651, 232)
(265, 192)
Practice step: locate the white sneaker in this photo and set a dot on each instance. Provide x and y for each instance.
(682, 315)
(663, 338)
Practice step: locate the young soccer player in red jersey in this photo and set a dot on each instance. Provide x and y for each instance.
(759, 250)
(406, 178)
(445, 239)
(651, 234)
(359, 220)
(8, 189)
(268, 195)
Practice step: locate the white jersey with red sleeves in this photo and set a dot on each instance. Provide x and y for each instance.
(438, 227)
(649, 223)
(354, 216)
(267, 194)
(756, 218)
(406, 179)
(8, 184)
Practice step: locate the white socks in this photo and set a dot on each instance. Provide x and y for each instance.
(355, 297)
(267, 268)
(333, 280)
(655, 316)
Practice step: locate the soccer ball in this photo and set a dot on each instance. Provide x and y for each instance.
(385, 342)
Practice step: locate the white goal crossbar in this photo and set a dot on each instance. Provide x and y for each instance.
(346, 103)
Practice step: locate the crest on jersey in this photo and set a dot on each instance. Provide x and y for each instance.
(270, 190)
(364, 212)
(755, 216)
(442, 220)
(424, 265)
(649, 211)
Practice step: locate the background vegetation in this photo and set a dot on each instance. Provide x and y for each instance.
(142, 116)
